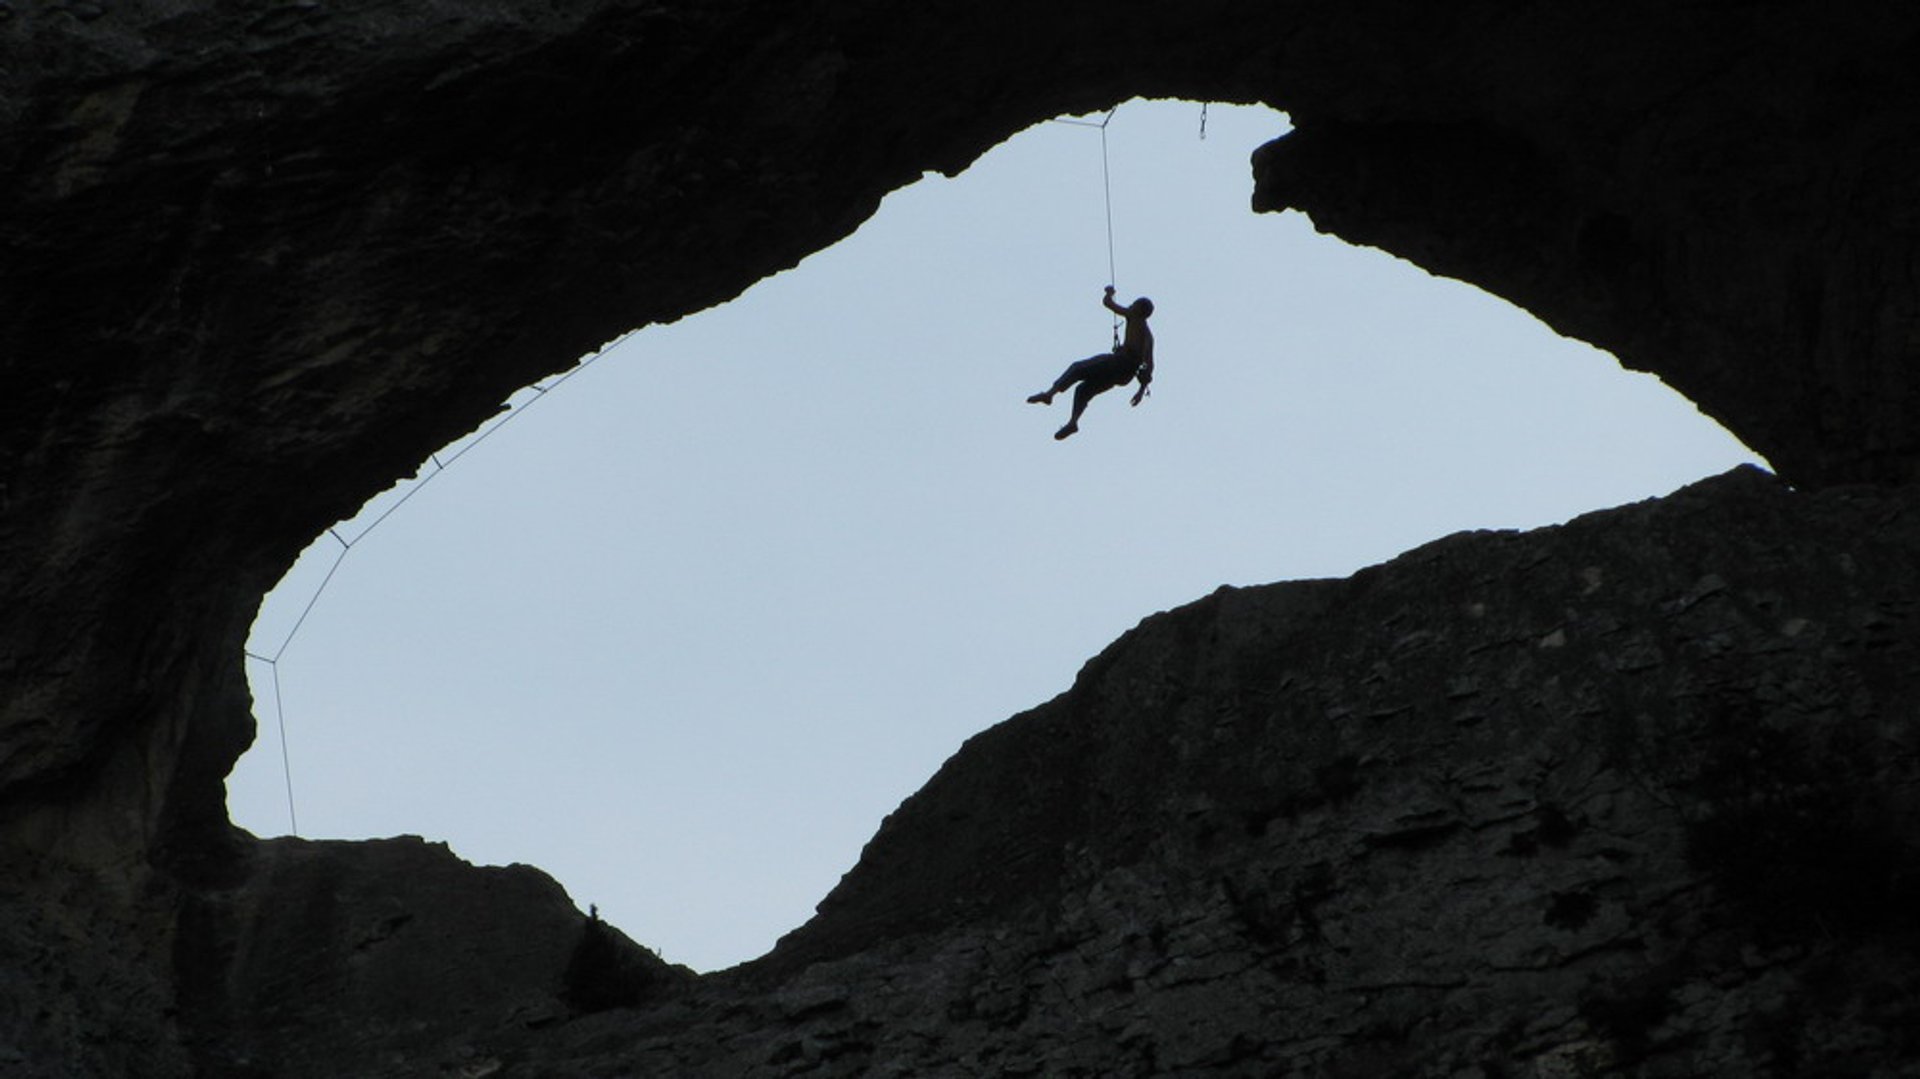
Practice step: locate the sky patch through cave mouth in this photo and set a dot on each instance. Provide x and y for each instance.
(689, 629)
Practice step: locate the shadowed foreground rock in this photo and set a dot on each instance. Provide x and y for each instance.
(346, 956)
(1636, 795)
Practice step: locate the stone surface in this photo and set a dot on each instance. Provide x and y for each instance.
(349, 958)
(1633, 796)
(256, 263)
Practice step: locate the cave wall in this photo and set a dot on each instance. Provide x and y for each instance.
(259, 263)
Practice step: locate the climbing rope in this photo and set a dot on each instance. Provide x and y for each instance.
(347, 546)
(1106, 186)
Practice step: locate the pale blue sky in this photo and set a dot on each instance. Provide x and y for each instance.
(683, 632)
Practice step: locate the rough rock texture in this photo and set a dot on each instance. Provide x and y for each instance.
(359, 954)
(1640, 793)
(1636, 795)
(1716, 192)
(257, 261)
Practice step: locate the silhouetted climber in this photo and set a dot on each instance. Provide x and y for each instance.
(1131, 358)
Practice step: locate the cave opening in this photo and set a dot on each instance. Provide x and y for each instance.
(683, 636)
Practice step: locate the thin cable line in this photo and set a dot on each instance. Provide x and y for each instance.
(1106, 185)
(1106, 188)
(346, 546)
(339, 557)
(286, 758)
(401, 501)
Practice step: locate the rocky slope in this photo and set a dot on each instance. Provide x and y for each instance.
(251, 251)
(1635, 795)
